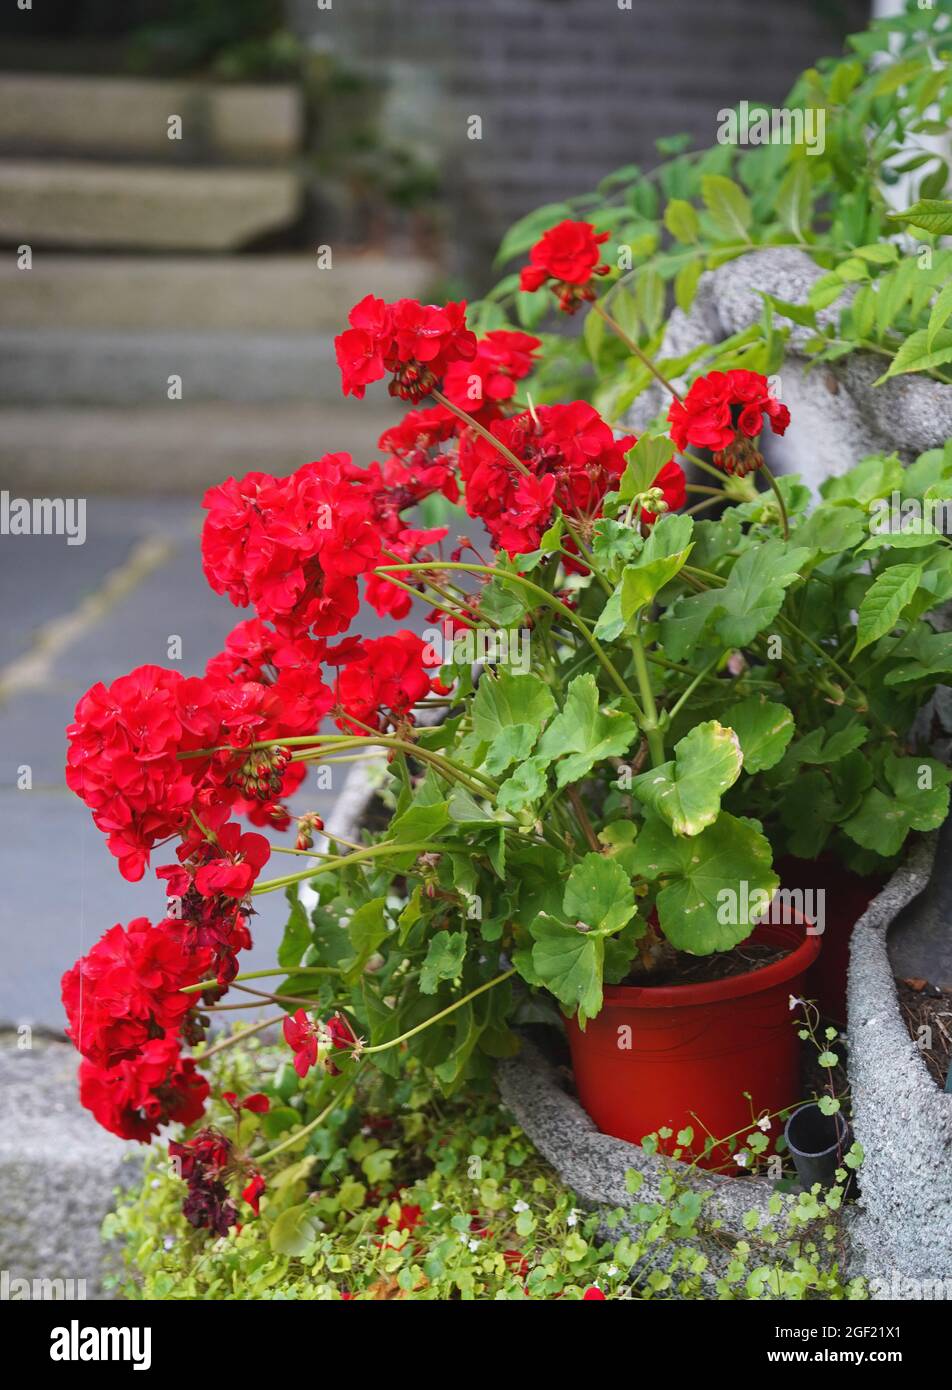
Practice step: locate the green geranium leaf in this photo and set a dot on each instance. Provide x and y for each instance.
(764, 729)
(583, 734)
(920, 801)
(444, 960)
(754, 592)
(569, 963)
(504, 700)
(297, 932)
(716, 883)
(527, 784)
(367, 930)
(686, 792)
(599, 893)
(420, 822)
(884, 602)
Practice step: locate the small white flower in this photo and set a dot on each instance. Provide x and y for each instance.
(611, 1271)
(520, 1206)
(793, 1002)
(168, 1242)
(463, 1238)
(437, 1206)
(741, 1159)
(572, 1219)
(474, 1245)
(764, 1123)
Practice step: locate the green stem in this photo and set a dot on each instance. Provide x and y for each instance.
(634, 349)
(412, 1032)
(650, 726)
(780, 502)
(345, 860)
(263, 975)
(541, 594)
(484, 432)
(295, 1139)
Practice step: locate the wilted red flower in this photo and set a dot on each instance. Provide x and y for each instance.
(134, 1098)
(724, 411)
(568, 254)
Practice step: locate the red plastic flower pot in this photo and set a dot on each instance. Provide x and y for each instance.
(846, 898)
(683, 1055)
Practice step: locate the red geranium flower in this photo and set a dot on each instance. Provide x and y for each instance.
(133, 1099)
(415, 342)
(482, 385)
(128, 989)
(568, 254)
(252, 1193)
(724, 411)
(383, 683)
(312, 1041)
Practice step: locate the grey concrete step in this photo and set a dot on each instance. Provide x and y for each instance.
(278, 293)
(116, 116)
(176, 447)
(81, 203)
(52, 366)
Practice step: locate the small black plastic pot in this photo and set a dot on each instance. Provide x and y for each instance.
(817, 1144)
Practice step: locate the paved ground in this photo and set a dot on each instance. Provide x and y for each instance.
(74, 615)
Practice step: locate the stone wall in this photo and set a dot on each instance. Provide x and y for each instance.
(568, 90)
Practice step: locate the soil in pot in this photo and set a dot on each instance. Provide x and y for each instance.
(682, 1056)
(927, 1011)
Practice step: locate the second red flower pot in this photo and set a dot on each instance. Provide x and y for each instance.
(683, 1056)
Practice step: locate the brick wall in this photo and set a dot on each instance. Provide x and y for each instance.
(568, 89)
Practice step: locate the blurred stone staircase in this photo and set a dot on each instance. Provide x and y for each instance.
(154, 258)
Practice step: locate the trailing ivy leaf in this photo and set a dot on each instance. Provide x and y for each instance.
(599, 893)
(583, 734)
(569, 963)
(884, 602)
(764, 729)
(920, 801)
(718, 880)
(686, 792)
(444, 960)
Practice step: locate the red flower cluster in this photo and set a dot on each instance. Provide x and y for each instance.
(572, 458)
(568, 254)
(123, 757)
(482, 385)
(724, 411)
(293, 547)
(384, 682)
(415, 342)
(313, 1041)
(134, 1099)
(127, 990)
